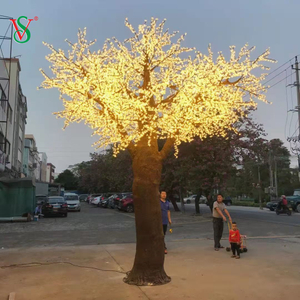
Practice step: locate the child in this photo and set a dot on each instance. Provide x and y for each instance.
(235, 241)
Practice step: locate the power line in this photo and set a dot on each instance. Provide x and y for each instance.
(275, 76)
(280, 81)
(281, 66)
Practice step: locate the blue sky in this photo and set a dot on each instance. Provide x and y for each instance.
(263, 23)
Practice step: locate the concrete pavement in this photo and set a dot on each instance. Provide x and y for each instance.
(270, 270)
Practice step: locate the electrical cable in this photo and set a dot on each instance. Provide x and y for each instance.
(281, 66)
(280, 81)
(275, 76)
(37, 264)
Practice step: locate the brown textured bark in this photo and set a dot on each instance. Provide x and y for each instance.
(148, 268)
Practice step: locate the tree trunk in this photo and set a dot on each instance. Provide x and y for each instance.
(197, 207)
(148, 268)
(181, 200)
(173, 201)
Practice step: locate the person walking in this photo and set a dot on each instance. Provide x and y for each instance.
(219, 209)
(166, 214)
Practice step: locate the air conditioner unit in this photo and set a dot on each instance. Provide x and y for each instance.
(34, 149)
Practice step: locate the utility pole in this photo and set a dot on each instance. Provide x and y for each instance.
(275, 175)
(297, 84)
(270, 173)
(259, 189)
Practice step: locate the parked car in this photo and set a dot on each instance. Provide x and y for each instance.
(272, 205)
(119, 197)
(72, 201)
(55, 206)
(294, 201)
(41, 199)
(192, 199)
(227, 201)
(111, 201)
(126, 203)
(104, 200)
(83, 197)
(92, 197)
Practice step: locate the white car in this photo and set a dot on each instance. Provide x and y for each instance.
(96, 200)
(191, 199)
(73, 202)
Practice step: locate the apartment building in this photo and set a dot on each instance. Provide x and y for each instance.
(13, 115)
(50, 173)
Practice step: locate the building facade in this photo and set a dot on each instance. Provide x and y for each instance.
(31, 158)
(43, 164)
(50, 173)
(13, 115)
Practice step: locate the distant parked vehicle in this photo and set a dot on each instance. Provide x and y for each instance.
(227, 201)
(192, 199)
(96, 200)
(41, 199)
(272, 205)
(55, 206)
(126, 203)
(92, 197)
(119, 197)
(83, 197)
(72, 201)
(104, 200)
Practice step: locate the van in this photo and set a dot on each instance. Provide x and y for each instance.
(73, 202)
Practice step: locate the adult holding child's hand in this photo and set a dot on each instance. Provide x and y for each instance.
(219, 209)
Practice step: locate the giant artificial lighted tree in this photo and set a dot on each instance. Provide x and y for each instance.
(135, 92)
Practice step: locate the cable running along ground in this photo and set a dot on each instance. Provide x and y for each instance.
(38, 264)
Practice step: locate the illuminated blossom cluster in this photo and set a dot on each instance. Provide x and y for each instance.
(147, 86)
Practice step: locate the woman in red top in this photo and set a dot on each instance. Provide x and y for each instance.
(235, 241)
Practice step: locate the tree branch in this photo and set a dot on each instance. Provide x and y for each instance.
(227, 82)
(167, 148)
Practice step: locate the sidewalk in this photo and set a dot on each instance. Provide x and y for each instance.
(270, 270)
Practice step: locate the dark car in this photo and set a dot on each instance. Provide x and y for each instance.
(118, 197)
(272, 205)
(83, 197)
(227, 201)
(126, 203)
(55, 206)
(104, 200)
(41, 199)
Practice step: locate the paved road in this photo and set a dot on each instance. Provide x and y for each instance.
(95, 226)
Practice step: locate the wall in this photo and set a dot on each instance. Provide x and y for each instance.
(17, 198)
(43, 159)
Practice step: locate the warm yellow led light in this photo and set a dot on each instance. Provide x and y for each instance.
(144, 87)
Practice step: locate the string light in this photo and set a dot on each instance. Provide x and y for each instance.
(144, 87)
